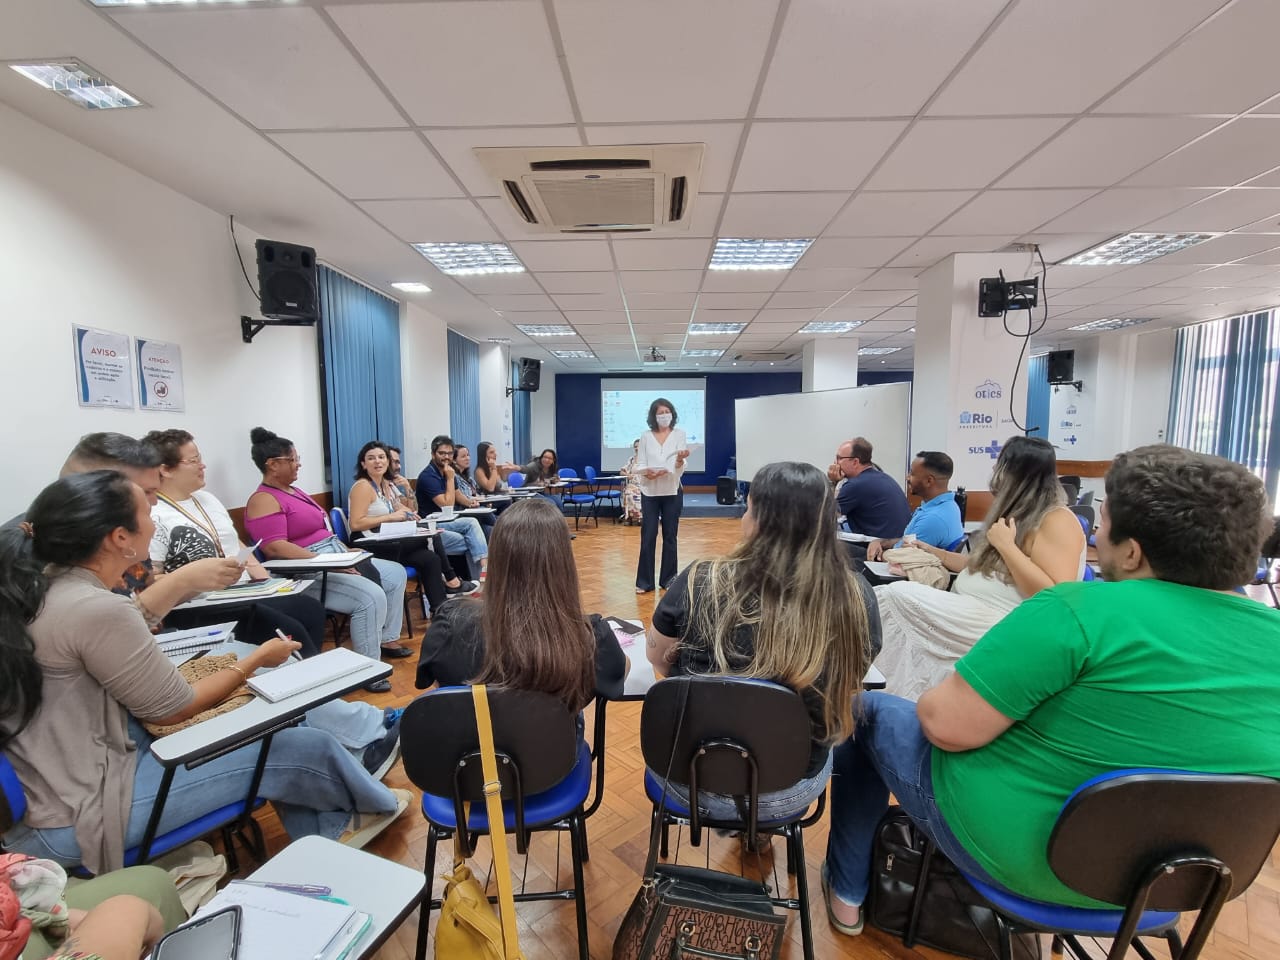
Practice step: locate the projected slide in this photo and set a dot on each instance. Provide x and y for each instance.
(624, 409)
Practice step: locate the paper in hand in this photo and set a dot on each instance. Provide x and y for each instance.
(246, 553)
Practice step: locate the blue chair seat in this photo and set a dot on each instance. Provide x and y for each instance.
(546, 807)
(653, 788)
(1077, 920)
(579, 498)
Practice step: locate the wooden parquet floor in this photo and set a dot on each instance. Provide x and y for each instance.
(1249, 928)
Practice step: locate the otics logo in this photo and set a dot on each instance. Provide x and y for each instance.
(993, 451)
(968, 419)
(988, 390)
(1071, 410)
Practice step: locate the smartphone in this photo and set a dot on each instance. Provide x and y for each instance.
(212, 937)
(624, 626)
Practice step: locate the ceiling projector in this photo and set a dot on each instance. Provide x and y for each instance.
(655, 357)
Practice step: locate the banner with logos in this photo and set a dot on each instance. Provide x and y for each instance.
(104, 371)
(1071, 418)
(980, 426)
(160, 385)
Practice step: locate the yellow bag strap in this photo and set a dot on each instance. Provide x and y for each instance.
(497, 831)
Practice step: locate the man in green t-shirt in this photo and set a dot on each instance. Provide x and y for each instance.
(1163, 665)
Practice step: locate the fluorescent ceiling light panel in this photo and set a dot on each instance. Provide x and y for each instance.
(704, 353)
(1114, 323)
(830, 326)
(710, 329)
(158, 3)
(573, 354)
(877, 351)
(547, 329)
(78, 83)
(1135, 248)
(744, 254)
(470, 259)
(412, 286)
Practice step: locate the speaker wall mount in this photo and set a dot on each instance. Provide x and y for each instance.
(287, 288)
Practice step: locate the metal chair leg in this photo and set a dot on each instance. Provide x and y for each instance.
(578, 843)
(424, 911)
(795, 853)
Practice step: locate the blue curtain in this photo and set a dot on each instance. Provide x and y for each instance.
(1224, 393)
(521, 443)
(360, 333)
(464, 390)
(1038, 397)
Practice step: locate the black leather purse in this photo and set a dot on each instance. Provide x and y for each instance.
(948, 914)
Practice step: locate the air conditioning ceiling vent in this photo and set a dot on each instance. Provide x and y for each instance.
(764, 356)
(628, 189)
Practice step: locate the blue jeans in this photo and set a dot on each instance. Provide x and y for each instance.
(465, 532)
(887, 753)
(778, 805)
(311, 780)
(377, 612)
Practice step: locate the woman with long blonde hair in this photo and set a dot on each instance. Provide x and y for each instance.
(1029, 540)
(783, 606)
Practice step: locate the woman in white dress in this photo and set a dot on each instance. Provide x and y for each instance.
(1029, 541)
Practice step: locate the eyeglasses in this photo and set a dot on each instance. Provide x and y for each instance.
(838, 459)
(192, 460)
(445, 453)
(286, 459)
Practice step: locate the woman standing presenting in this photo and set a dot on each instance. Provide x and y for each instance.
(660, 465)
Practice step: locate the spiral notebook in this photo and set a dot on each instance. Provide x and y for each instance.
(275, 924)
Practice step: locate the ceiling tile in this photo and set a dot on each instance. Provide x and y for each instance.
(930, 250)
(732, 301)
(1123, 210)
(279, 68)
(595, 281)
(896, 278)
(1062, 276)
(1142, 274)
(903, 214)
(706, 314)
(883, 326)
(565, 255)
(432, 221)
(661, 301)
(813, 155)
(826, 278)
(420, 50)
(667, 254)
(1269, 179)
(589, 301)
(596, 317)
(455, 147)
(660, 281)
(1224, 249)
(742, 281)
(519, 302)
(771, 320)
(1236, 152)
(1101, 151)
(678, 319)
(500, 283)
(721, 140)
(1244, 274)
(779, 215)
(535, 316)
(876, 298)
(1229, 210)
(1267, 257)
(1061, 246)
(840, 59)
(1010, 211)
(846, 313)
(697, 61)
(956, 154)
(1241, 40)
(804, 298)
(859, 252)
(372, 165)
(1085, 46)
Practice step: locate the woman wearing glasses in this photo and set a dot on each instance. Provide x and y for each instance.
(292, 526)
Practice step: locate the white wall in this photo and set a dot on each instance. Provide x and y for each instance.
(495, 404)
(829, 364)
(424, 374)
(84, 239)
(542, 414)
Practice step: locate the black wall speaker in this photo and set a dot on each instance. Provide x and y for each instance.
(287, 281)
(530, 374)
(1062, 366)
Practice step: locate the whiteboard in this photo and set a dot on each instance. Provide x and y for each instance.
(809, 426)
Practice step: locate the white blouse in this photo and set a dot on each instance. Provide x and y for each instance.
(654, 454)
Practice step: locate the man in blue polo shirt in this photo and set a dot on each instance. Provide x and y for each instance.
(870, 500)
(436, 489)
(937, 520)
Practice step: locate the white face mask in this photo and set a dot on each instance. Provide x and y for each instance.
(664, 420)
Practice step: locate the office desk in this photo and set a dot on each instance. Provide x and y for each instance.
(256, 720)
(321, 563)
(386, 890)
(202, 601)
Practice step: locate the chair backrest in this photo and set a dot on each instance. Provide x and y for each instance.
(13, 799)
(515, 479)
(590, 474)
(955, 545)
(338, 520)
(1271, 546)
(765, 720)
(568, 473)
(1086, 499)
(1116, 831)
(962, 501)
(535, 732)
(1086, 518)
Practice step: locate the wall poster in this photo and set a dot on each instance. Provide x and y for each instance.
(104, 369)
(160, 384)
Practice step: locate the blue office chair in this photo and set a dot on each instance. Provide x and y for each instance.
(576, 500)
(605, 492)
(544, 768)
(735, 737)
(229, 821)
(338, 520)
(515, 480)
(1153, 841)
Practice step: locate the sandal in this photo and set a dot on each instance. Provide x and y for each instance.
(848, 929)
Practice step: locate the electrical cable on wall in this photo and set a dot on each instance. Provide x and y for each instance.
(1032, 330)
(231, 222)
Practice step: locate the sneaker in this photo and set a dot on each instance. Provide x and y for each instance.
(363, 827)
(381, 755)
(391, 716)
(462, 589)
(378, 686)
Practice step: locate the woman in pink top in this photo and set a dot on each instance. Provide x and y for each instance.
(292, 526)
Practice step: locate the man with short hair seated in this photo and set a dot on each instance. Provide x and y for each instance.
(870, 500)
(937, 520)
(1162, 666)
